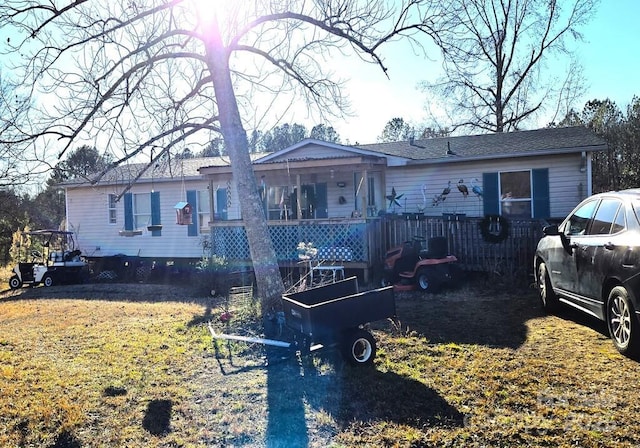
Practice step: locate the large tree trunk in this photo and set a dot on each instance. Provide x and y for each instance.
(265, 264)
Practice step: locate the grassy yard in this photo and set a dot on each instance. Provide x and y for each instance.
(134, 365)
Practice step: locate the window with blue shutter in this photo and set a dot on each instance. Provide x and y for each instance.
(537, 206)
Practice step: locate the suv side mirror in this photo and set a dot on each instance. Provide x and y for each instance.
(551, 230)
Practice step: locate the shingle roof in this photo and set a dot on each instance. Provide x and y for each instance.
(166, 169)
(508, 144)
(569, 139)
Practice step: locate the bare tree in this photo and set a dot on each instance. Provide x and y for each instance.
(15, 162)
(134, 76)
(495, 53)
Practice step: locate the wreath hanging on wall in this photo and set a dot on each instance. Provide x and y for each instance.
(494, 228)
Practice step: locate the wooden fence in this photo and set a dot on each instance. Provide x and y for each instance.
(511, 257)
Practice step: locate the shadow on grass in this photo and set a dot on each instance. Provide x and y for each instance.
(158, 417)
(469, 316)
(66, 440)
(569, 313)
(111, 292)
(350, 396)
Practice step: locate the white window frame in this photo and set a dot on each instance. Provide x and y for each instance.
(506, 201)
(203, 210)
(141, 210)
(112, 209)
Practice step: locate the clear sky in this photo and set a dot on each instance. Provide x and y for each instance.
(610, 57)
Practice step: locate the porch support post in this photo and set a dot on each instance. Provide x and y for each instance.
(298, 196)
(211, 203)
(365, 192)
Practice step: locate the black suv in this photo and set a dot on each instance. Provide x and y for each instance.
(592, 262)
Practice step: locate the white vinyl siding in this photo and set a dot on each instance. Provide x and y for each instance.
(567, 184)
(97, 237)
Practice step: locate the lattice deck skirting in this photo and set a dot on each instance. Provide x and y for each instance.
(340, 242)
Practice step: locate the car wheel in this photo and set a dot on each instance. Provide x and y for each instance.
(425, 280)
(15, 283)
(545, 290)
(359, 348)
(622, 322)
(47, 280)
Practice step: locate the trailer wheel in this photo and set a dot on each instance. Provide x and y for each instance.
(359, 347)
(47, 280)
(15, 282)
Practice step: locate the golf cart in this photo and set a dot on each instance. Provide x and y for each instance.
(48, 257)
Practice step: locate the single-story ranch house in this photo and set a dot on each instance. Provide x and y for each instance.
(337, 197)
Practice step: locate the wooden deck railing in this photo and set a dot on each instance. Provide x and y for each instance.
(368, 240)
(513, 256)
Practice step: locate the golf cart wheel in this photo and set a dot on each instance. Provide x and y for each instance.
(15, 282)
(622, 322)
(47, 280)
(359, 348)
(425, 279)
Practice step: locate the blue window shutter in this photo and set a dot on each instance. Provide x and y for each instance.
(192, 197)
(490, 194)
(155, 212)
(541, 201)
(128, 211)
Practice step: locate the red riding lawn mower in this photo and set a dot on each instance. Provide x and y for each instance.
(410, 265)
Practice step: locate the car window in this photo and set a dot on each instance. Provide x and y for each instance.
(605, 216)
(620, 223)
(577, 223)
(636, 208)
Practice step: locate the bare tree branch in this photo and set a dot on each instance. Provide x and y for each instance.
(143, 79)
(494, 53)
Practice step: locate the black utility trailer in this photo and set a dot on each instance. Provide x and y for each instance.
(329, 315)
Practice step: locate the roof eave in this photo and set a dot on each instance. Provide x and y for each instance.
(554, 152)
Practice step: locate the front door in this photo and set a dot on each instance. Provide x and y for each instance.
(221, 212)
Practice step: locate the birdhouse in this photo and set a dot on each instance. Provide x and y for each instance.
(183, 213)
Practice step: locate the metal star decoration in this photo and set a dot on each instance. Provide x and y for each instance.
(393, 198)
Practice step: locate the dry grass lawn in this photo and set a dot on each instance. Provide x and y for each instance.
(134, 365)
